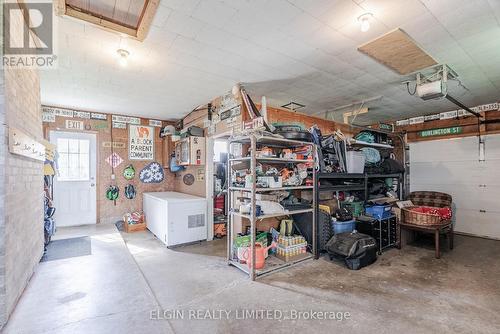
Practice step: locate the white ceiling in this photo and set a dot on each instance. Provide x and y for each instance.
(300, 50)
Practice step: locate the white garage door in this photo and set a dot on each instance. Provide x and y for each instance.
(452, 166)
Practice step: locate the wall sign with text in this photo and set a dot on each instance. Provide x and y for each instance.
(154, 122)
(141, 142)
(441, 132)
(48, 116)
(74, 125)
(386, 126)
(118, 125)
(126, 119)
(58, 111)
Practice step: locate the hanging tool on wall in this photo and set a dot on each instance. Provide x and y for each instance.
(252, 110)
(112, 193)
(130, 191)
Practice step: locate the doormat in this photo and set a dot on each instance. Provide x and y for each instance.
(66, 248)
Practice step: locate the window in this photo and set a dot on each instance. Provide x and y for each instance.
(220, 146)
(74, 161)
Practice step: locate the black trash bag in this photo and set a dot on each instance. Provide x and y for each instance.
(343, 214)
(374, 169)
(356, 249)
(378, 188)
(391, 166)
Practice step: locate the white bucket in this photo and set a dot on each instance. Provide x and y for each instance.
(355, 162)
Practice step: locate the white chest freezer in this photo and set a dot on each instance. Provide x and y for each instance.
(175, 218)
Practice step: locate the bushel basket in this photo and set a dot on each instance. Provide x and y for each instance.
(420, 218)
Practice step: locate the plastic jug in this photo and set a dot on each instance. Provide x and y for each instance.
(260, 255)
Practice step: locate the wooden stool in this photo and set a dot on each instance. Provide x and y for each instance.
(435, 229)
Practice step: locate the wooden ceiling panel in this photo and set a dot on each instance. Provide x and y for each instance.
(398, 51)
(103, 8)
(131, 17)
(125, 12)
(134, 11)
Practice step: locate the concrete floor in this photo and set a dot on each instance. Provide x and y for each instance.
(129, 275)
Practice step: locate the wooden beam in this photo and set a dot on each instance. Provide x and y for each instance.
(146, 18)
(469, 126)
(60, 7)
(346, 115)
(34, 38)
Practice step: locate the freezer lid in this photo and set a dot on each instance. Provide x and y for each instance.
(173, 196)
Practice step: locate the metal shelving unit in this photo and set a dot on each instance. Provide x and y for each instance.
(355, 182)
(355, 142)
(270, 189)
(255, 140)
(271, 159)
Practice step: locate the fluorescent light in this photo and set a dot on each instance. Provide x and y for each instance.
(364, 20)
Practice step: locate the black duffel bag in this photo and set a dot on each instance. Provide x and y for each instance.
(356, 249)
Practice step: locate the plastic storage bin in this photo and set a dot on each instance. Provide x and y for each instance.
(341, 227)
(355, 207)
(355, 161)
(379, 211)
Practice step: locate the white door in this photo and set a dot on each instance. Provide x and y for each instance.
(452, 166)
(75, 184)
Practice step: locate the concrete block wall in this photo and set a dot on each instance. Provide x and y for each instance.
(21, 187)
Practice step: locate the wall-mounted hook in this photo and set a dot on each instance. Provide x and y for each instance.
(23, 144)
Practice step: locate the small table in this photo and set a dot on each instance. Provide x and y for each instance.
(436, 229)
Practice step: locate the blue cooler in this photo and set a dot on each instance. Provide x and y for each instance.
(379, 211)
(341, 227)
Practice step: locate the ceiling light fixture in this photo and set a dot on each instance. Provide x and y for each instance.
(123, 57)
(364, 20)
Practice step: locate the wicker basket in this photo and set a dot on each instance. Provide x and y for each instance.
(418, 218)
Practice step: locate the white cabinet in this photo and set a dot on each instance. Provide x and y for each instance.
(190, 151)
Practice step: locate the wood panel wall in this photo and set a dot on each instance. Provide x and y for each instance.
(278, 115)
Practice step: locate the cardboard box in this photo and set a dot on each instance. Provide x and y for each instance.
(129, 228)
